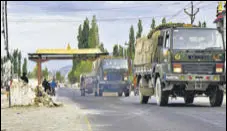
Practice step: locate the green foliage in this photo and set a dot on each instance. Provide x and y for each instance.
(79, 37)
(164, 20)
(85, 34)
(153, 24)
(140, 29)
(59, 77)
(24, 67)
(115, 50)
(93, 39)
(200, 24)
(45, 73)
(120, 51)
(101, 47)
(204, 25)
(15, 62)
(131, 42)
(19, 63)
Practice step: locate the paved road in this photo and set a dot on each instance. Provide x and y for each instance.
(126, 114)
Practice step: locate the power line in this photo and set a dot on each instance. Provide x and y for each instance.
(116, 8)
(99, 20)
(178, 12)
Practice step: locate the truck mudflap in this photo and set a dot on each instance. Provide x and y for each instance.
(194, 78)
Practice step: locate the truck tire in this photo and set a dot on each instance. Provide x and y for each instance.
(216, 98)
(162, 97)
(83, 92)
(100, 92)
(119, 94)
(127, 94)
(189, 98)
(96, 94)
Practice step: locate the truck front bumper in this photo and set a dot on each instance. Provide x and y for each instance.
(194, 81)
(114, 86)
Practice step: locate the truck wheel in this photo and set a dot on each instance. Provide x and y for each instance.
(82, 92)
(96, 94)
(161, 96)
(100, 92)
(189, 98)
(216, 98)
(119, 94)
(126, 94)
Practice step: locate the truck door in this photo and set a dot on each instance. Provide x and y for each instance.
(166, 51)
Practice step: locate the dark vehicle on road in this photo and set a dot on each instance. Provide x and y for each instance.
(112, 75)
(88, 84)
(178, 60)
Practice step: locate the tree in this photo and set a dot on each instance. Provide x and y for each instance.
(34, 71)
(131, 42)
(24, 67)
(85, 34)
(58, 76)
(153, 24)
(93, 40)
(115, 50)
(200, 25)
(19, 63)
(79, 37)
(15, 62)
(140, 29)
(72, 79)
(164, 20)
(204, 25)
(45, 73)
(101, 47)
(120, 51)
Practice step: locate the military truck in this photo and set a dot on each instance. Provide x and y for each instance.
(112, 75)
(180, 60)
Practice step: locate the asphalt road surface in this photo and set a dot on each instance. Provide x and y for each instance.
(126, 114)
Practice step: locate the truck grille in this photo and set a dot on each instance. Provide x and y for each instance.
(199, 68)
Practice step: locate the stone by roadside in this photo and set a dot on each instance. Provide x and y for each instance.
(65, 118)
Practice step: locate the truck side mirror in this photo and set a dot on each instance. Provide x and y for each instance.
(160, 41)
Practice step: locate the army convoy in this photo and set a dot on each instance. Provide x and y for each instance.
(178, 60)
(174, 60)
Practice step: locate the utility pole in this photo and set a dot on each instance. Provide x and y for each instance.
(192, 15)
(5, 35)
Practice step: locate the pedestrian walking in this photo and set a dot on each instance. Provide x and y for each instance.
(53, 85)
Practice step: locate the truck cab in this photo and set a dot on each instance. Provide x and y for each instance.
(113, 76)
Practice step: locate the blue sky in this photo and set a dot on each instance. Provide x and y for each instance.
(42, 24)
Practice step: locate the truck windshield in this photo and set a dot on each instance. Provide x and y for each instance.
(197, 39)
(115, 64)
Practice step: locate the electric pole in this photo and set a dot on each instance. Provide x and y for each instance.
(5, 35)
(192, 15)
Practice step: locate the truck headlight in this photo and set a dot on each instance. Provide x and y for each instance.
(219, 68)
(177, 68)
(105, 78)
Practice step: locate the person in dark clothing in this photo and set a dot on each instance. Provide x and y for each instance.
(24, 78)
(46, 85)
